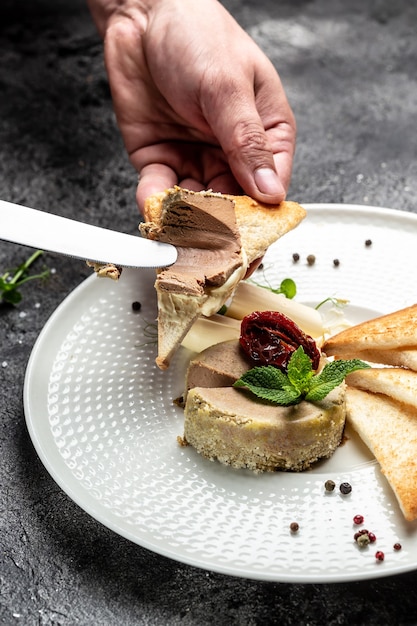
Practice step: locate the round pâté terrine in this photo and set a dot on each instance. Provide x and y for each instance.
(235, 428)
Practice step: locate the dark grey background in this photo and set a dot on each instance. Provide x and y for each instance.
(349, 69)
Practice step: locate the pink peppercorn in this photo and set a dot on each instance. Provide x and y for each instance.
(397, 546)
(358, 519)
(379, 555)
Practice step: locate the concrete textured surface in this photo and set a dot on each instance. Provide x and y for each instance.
(349, 69)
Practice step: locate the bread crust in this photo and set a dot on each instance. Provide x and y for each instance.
(393, 332)
(260, 225)
(389, 429)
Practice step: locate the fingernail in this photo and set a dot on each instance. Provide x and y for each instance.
(268, 182)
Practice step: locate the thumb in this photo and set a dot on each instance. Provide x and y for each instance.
(260, 163)
(260, 158)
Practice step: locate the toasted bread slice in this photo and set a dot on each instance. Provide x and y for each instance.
(260, 225)
(389, 429)
(217, 237)
(396, 382)
(380, 340)
(399, 358)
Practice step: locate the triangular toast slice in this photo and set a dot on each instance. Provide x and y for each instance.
(217, 238)
(389, 429)
(400, 358)
(396, 382)
(389, 339)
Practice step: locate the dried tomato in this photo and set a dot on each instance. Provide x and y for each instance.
(270, 338)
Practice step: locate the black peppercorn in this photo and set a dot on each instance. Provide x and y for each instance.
(329, 485)
(368, 243)
(136, 306)
(295, 257)
(294, 527)
(345, 488)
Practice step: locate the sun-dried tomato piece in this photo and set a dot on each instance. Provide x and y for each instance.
(270, 338)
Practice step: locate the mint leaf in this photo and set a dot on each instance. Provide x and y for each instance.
(332, 375)
(299, 370)
(269, 383)
(300, 382)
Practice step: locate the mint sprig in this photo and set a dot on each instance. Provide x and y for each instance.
(300, 382)
(12, 280)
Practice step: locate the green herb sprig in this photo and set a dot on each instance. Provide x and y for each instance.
(287, 287)
(337, 302)
(300, 382)
(12, 280)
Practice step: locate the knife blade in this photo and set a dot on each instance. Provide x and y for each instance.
(61, 235)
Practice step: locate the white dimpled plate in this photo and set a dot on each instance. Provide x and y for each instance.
(103, 420)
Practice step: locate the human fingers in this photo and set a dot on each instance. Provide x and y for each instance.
(153, 178)
(223, 183)
(156, 177)
(193, 165)
(256, 128)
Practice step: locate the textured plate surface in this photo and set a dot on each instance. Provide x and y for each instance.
(102, 419)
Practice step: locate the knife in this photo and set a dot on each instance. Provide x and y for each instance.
(52, 233)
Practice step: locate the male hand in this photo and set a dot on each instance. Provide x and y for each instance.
(197, 102)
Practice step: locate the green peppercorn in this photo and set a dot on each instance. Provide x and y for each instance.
(363, 540)
(329, 485)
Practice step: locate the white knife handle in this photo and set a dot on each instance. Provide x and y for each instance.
(46, 231)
